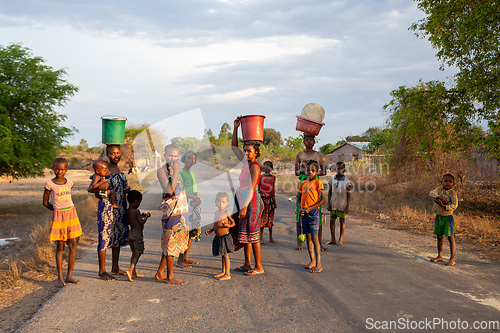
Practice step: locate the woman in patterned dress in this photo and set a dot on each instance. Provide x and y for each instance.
(112, 225)
(246, 233)
(174, 206)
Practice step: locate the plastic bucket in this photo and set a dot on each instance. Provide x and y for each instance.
(252, 127)
(113, 130)
(308, 126)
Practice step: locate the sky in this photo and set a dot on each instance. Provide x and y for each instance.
(152, 60)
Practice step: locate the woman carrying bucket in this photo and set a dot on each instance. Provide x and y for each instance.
(246, 233)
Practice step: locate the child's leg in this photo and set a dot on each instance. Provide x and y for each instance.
(71, 261)
(451, 239)
(342, 229)
(299, 243)
(112, 198)
(133, 262)
(226, 266)
(262, 236)
(332, 230)
(310, 249)
(317, 249)
(218, 275)
(320, 236)
(271, 240)
(59, 255)
(298, 220)
(440, 249)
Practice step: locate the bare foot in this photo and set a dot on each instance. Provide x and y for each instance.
(451, 262)
(324, 249)
(299, 247)
(175, 280)
(135, 274)
(191, 262)
(182, 265)
(340, 244)
(160, 276)
(317, 269)
(330, 242)
(311, 265)
(273, 241)
(116, 206)
(61, 283)
(129, 275)
(262, 243)
(119, 272)
(106, 277)
(224, 277)
(72, 280)
(219, 275)
(437, 259)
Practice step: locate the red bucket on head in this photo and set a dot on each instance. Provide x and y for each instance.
(252, 127)
(308, 126)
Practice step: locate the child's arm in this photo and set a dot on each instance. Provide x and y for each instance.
(317, 204)
(434, 193)
(232, 223)
(46, 203)
(95, 184)
(330, 185)
(453, 204)
(144, 217)
(346, 210)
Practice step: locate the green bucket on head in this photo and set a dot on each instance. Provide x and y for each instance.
(113, 130)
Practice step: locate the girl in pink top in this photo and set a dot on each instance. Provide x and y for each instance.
(65, 226)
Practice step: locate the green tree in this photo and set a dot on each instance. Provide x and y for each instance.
(31, 130)
(225, 132)
(466, 35)
(296, 143)
(327, 148)
(272, 138)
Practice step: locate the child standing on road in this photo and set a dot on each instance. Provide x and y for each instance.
(102, 185)
(311, 196)
(301, 160)
(222, 244)
(136, 221)
(65, 226)
(266, 190)
(445, 203)
(339, 197)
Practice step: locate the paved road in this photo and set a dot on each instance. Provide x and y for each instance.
(380, 275)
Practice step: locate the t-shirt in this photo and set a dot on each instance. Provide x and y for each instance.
(266, 185)
(450, 195)
(310, 192)
(339, 188)
(189, 181)
(60, 195)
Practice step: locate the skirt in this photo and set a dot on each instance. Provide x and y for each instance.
(267, 218)
(65, 225)
(222, 245)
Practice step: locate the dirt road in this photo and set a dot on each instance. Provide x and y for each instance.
(379, 276)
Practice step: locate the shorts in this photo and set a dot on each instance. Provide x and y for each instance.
(337, 213)
(444, 225)
(310, 222)
(136, 240)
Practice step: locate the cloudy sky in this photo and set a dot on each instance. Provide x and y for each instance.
(149, 60)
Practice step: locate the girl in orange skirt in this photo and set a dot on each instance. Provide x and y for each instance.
(65, 226)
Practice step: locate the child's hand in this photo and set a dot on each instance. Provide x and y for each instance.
(346, 210)
(208, 232)
(439, 202)
(329, 207)
(443, 200)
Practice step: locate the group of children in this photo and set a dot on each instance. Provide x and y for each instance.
(66, 229)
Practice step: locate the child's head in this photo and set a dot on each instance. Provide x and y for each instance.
(100, 167)
(309, 140)
(340, 168)
(222, 200)
(252, 151)
(171, 153)
(448, 181)
(134, 196)
(312, 167)
(189, 158)
(267, 166)
(60, 167)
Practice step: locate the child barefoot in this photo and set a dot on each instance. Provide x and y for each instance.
(65, 226)
(311, 197)
(100, 184)
(339, 197)
(223, 242)
(445, 203)
(136, 222)
(266, 190)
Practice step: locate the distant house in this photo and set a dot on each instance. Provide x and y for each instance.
(349, 151)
